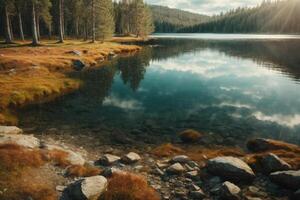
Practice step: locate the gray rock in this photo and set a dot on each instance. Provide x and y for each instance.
(108, 172)
(180, 159)
(87, 189)
(199, 194)
(131, 158)
(229, 191)
(158, 172)
(28, 141)
(272, 163)
(73, 158)
(230, 168)
(11, 130)
(75, 52)
(176, 168)
(162, 165)
(108, 159)
(288, 179)
(192, 174)
(78, 65)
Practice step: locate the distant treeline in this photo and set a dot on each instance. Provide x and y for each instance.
(168, 20)
(87, 19)
(269, 17)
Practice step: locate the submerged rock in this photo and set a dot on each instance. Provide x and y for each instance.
(78, 65)
(88, 188)
(230, 168)
(28, 141)
(288, 179)
(272, 163)
(190, 136)
(131, 158)
(10, 130)
(229, 191)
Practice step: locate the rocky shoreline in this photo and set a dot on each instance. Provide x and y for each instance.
(262, 173)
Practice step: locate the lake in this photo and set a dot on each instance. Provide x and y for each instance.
(232, 87)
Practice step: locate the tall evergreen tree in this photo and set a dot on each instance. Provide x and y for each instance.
(106, 24)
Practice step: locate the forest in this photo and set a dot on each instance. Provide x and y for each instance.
(86, 19)
(268, 17)
(169, 20)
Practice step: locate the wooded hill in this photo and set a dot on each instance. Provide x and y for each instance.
(268, 17)
(168, 20)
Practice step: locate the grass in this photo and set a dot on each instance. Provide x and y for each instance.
(22, 176)
(127, 186)
(36, 74)
(82, 171)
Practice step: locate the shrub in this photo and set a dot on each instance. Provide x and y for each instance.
(82, 171)
(59, 157)
(166, 150)
(190, 136)
(126, 186)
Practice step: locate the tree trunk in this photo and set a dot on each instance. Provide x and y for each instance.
(38, 27)
(77, 28)
(93, 22)
(50, 31)
(35, 40)
(8, 38)
(11, 29)
(61, 34)
(21, 26)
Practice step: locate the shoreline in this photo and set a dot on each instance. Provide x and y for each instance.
(186, 170)
(48, 67)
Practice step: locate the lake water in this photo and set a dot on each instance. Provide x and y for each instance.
(232, 89)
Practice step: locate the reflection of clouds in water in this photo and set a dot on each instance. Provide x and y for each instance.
(211, 64)
(234, 104)
(228, 89)
(285, 120)
(122, 103)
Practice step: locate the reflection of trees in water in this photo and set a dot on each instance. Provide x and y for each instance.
(279, 55)
(133, 68)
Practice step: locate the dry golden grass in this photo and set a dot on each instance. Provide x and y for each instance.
(190, 136)
(33, 74)
(58, 157)
(21, 176)
(273, 145)
(127, 186)
(197, 153)
(166, 150)
(83, 171)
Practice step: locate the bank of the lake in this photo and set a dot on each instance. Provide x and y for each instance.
(30, 75)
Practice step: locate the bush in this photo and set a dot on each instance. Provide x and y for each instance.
(83, 171)
(166, 150)
(126, 186)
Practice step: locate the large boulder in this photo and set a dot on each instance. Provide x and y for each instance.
(272, 163)
(296, 195)
(73, 158)
(11, 130)
(288, 179)
(231, 168)
(87, 189)
(229, 191)
(261, 145)
(28, 141)
(78, 65)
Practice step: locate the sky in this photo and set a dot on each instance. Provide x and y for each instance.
(208, 7)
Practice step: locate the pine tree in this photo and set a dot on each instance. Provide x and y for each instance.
(105, 20)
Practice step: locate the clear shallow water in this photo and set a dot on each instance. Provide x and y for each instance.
(231, 89)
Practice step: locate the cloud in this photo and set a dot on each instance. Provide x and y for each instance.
(121, 103)
(209, 7)
(284, 120)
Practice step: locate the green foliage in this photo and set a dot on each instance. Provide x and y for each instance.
(269, 17)
(106, 25)
(171, 20)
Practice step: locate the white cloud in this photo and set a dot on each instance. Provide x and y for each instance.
(285, 120)
(121, 103)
